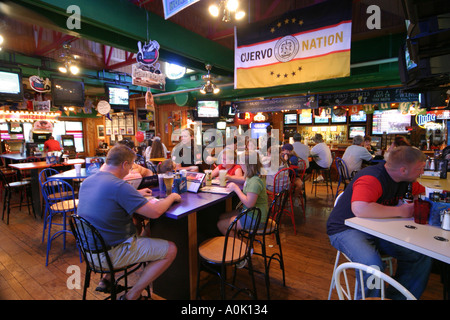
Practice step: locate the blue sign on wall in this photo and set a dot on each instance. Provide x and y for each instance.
(172, 7)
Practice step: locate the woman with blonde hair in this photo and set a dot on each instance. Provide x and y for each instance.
(185, 154)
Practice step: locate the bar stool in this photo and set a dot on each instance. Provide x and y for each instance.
(60, 201)
(326, 174)
(10, 187)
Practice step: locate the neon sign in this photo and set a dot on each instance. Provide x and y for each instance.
(422, 120)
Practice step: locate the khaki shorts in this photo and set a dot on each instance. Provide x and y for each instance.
(136, 250)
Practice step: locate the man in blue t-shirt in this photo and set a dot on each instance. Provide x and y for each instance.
(108, 202)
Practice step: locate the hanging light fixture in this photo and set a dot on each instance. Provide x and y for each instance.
(229, 9)
(209, 86)
(68, 61)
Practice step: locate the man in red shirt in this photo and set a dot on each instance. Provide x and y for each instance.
(51, 145)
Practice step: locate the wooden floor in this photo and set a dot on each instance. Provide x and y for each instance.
(309, 259)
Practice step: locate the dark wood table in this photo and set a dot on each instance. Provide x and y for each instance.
(35, 168)
(186, 224)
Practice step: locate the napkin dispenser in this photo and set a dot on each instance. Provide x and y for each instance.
(445, 223)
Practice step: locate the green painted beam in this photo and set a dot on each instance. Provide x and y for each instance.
(122, 24)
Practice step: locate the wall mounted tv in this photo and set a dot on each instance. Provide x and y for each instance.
(390, 121)
(118, 96)
(290, 119)
(338, 119)
(11, 86)
(207, 110)
(356, 131)
(361, 116)
(305, 117)
(15, 128)
(67, 92)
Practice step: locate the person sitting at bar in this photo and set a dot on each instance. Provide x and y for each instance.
(368, 145)
(355, 154)
(290, 159)
(185, 154)
(166, 166)
(109, 203)
(398, 141)
(51, 145)
(137, 170)
(234, 171)
(301, 149)
(321, 155)
(375, 193)
(253, 194)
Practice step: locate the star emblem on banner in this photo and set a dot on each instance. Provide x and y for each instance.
(292, 74)
(287, 21)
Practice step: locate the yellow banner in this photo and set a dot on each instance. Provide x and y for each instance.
(333, 65)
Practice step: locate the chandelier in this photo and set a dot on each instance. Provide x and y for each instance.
(229, 9)
(68, 61)
(209, 86)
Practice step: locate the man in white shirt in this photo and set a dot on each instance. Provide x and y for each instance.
(355, 154)
(321, 153)
(300, 149)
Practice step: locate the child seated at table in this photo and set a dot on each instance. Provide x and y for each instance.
(234, 171)
(253, 194)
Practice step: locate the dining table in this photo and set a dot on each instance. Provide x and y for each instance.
(184, 224)
(432, 241)
(441, 184)
(35, 168)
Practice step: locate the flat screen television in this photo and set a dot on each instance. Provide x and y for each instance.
(290, 119)
(118, 96)
(305, 117)
(356, 131)
(321, 120)
(390, 121)
(11, 88)
(361, 116)
(338, 119)
(68, 143)
(207, 109)
(67, 92)
(258, 129)
(15, 128)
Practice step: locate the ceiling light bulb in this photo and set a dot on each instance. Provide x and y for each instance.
(62, 69)
(74, 69)
(239, 15)
(232, 5)
(214, 10)
(1, 39)
(216, 90)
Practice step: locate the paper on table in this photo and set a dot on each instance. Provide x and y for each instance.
(212, 189)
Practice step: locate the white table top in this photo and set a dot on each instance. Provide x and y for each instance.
(408, 234)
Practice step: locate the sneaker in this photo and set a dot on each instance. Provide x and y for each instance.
(241, 264)
(319, 179)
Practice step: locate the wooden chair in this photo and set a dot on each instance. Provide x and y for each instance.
(95, 253)
(233, 249)
(272, 227)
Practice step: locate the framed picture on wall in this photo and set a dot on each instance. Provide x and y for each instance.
(101, 131)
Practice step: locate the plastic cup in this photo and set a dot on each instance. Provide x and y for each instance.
(78, 168)
(168, 182)
(222, 178)
(421, 211)
(162, 187)
(208, 177)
